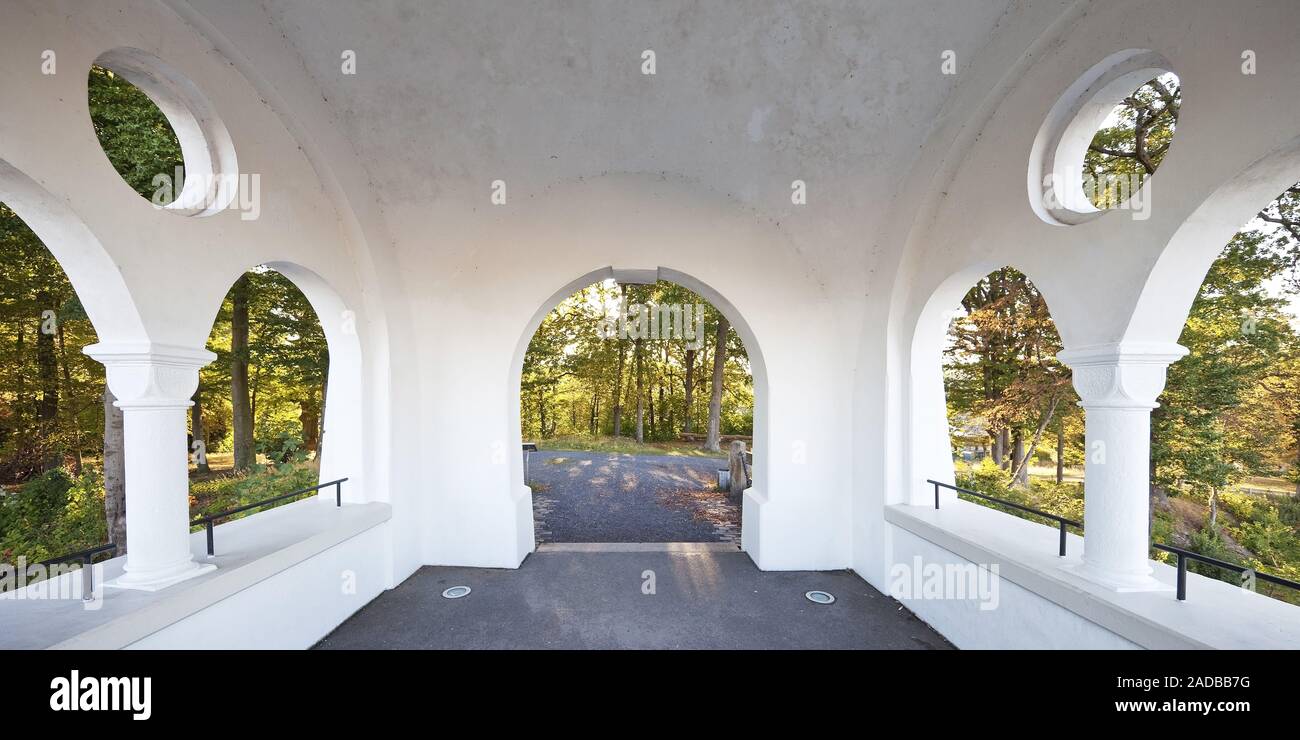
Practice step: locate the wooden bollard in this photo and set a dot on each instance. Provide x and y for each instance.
(736, 467)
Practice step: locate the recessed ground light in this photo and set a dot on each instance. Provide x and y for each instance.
(455, 592)
(819, 597)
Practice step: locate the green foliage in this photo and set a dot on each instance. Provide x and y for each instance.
(571, 366)
(1002, 379)
(224, 493)
(49, 390)
(288, 360)
(1238, 337)
(1061, 499)
(627, 446)
(1207, 541)
(1133, 146)
(1273, 541)
(1163, 527)
(281, 443)
(52, 515)
(134, 133)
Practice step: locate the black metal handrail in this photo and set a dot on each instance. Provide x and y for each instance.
(1185, 555)
(86, 558)
(1061, 521)
(209, 521)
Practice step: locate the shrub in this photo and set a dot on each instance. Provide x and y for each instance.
(282, 445)
(1240, 505)
(1272, 540)
(51, 515)
(1206, 541)
(219, 494)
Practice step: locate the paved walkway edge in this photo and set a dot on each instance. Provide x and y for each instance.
(679, 547)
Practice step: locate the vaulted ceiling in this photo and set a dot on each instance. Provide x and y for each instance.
(747, 97)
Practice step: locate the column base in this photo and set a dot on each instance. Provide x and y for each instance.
(1117, 581)
(158, 580)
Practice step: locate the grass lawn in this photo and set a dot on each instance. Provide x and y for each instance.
(625, 446)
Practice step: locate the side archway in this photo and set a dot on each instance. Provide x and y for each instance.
(1000, 362)
(92, 272)
(1176, 277)
(342, 451)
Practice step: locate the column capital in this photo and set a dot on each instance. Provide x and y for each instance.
(1121, 375)
(150, 374)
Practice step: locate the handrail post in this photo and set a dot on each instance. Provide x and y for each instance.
(211, 549)
(338, 492)
(936, 495)
(1182, 577)
(1062, 538)
(87, 579)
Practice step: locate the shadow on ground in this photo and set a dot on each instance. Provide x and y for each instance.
(599, 600)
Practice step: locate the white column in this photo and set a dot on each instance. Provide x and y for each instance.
(153, 385)
(1118, 385)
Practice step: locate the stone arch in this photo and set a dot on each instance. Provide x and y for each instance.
(344, 450)
(928, 447)
(1174, 280)
(742, 327)
(90, 269)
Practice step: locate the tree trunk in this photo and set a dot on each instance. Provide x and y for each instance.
(659, 381)
(68, 394)
(47, 373)
(690, 388)
(309, 418)
(197, 431)
(640, 390)
(1021, 460)
(324, 405)
(1060, 452)
(618, 373)
(714, 441)
(114, 473)
(240, 404)
(20, 381)
(541, 412)
(650, 401)
(1020, 474)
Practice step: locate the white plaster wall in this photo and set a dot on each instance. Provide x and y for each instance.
(147, 275)
(291, 610)
(376, 192)
(628, 222)
(966, 210)
(606, 167)
(1021, 619)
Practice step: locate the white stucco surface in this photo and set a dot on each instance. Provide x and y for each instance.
(375, 198)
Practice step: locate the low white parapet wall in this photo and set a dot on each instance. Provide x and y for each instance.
(284, 578)
(987, 579)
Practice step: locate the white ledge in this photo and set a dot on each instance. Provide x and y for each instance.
(1215, 615)
(249, 551)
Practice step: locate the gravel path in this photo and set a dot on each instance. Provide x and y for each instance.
(603, 497)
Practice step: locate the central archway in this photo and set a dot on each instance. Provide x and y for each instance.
(760, 445)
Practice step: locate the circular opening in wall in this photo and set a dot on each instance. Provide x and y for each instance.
(456, 592)
(1104, 139)
(161, 134)
(1131, 142)
(819, 597)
